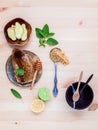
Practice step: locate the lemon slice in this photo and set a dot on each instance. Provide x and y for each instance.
(44, 94)
(37, 105)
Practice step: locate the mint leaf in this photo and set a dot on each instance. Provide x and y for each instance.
(38, 32)
(50, 34)
(44, 36)
(20, 72)
(45, 30)
(42, 42)
(52, 41)
(16, 94)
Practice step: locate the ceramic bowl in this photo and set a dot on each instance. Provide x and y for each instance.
(10, 71)
(18, 42)
(86, 97)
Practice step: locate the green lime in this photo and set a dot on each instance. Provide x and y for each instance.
(44, 94)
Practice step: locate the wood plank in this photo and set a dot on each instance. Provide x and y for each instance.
(75, 24)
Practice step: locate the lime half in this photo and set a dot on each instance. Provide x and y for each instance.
(44, 94)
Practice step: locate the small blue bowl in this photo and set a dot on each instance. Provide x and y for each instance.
(86, 97)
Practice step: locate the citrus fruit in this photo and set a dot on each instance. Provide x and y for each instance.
(37, 105)
(44, 94)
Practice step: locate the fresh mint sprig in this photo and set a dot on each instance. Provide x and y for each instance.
(44, 35)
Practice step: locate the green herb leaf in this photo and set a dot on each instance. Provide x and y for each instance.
(42, 42)
(45, 30)
(20, 72)
(44, 36)
(39, 33)
(16, 94)
(52, 41)
(50, 34)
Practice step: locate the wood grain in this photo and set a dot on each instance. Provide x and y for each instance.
(75, 24)
(66, 3)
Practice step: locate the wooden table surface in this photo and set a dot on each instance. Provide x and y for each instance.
(75, 24)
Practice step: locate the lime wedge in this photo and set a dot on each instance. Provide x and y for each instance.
(44, 94)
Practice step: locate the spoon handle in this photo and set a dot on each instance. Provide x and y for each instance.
(55, 89)
(80, 78)
(88, 80)
(33, 81)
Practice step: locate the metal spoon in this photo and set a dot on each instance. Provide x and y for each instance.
(76, 94)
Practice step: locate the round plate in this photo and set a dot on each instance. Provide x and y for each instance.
(10, 70)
